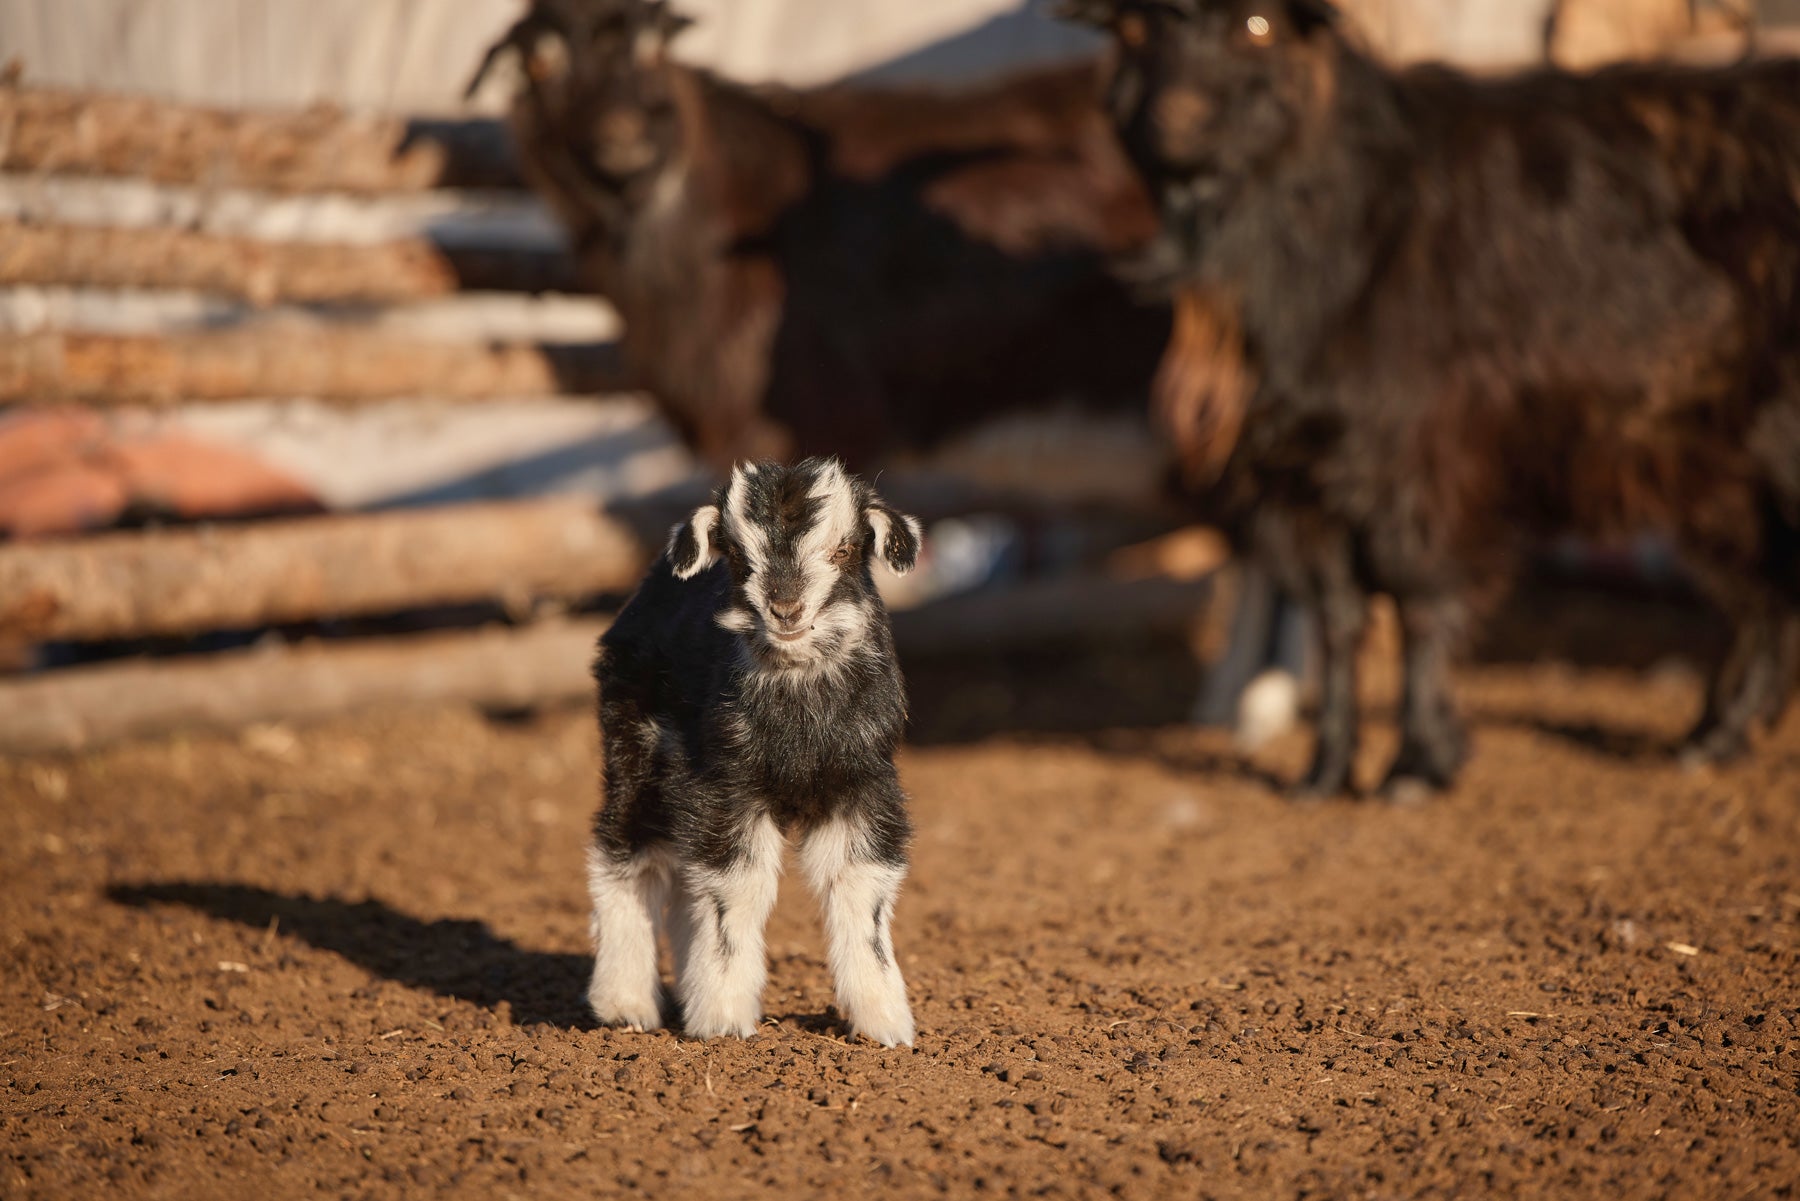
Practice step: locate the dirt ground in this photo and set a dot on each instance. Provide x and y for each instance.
(347, 960)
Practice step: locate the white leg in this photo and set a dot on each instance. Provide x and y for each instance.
(723, 971)
(627, 896)
(857, 891)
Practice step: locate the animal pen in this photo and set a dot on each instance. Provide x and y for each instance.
(333, 481)
(338, 257)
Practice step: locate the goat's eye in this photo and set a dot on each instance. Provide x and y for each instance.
(842, 554)
(1133, 31)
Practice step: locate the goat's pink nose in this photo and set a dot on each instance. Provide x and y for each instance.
(787, 614)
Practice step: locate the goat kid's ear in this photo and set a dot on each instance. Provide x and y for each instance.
(691, 543)
(897, 537)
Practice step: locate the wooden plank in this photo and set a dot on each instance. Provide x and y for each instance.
(264, 272)
(318, 149)
(81, 707)
(190, 579)
(495, 666)
(1038, 612)
(321, 363)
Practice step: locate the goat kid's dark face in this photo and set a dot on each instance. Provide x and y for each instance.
(1208, 88)
(594, 68)
(798, 542)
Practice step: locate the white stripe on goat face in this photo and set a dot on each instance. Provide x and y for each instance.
(834, 523)
(751, 538)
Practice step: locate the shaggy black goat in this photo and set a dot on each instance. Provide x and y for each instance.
(1475, 313)
(850, 271)
(749, 691)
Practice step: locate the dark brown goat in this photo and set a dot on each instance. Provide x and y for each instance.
(849, 272)
(1477, 313)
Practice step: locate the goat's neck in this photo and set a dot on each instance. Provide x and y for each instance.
(1297, 245)
(844, 670)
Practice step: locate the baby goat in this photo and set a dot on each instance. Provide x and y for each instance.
(741, 701)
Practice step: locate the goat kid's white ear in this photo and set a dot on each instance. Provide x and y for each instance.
(897, 537)
(691, 543)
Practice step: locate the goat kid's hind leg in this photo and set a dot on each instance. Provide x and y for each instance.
(627, 892)
(1433, 744)
(856, 865)
(728, 896)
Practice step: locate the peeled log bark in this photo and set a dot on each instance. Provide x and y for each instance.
(324, 364)
(190, 579)
(320, 149)
(497, 667)
(267, 272)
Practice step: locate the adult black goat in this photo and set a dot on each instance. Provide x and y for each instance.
(1475, 312)
(848, 271)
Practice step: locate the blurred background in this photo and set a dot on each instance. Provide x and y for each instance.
(309, 404)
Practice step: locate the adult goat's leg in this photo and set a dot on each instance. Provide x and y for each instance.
(1750, 684)
(1338, 602)
(1433, 744)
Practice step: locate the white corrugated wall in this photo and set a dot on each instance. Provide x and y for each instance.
(415, 55)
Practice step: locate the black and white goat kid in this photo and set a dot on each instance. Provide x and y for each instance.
(749, 692)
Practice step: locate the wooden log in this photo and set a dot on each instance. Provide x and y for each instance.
(264, 272)
(80, 707)
(319, 149)
(495, 666)
(321, 363)
(189, 579)
(1038, 612)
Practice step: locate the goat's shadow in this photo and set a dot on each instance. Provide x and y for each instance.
(454, 958)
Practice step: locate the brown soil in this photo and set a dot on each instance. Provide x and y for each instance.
(347, 960)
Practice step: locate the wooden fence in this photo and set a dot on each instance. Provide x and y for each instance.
(306, 234)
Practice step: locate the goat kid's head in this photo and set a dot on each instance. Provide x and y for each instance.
(1206, 91)
(798, 542)
(592, 78)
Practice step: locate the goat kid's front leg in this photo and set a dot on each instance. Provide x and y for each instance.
(719, 946)
(627, 892)
(856, 866)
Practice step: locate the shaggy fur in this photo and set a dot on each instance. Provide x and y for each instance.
(749, 692)
(856, 272)
(1475, 313)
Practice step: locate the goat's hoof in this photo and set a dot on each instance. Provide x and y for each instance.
(1711, 748)
(719, 1025)
(1320, 784)
(1409, 791)
(1415, 779)
(635, 1016)
(889, 1031)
